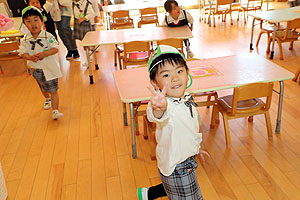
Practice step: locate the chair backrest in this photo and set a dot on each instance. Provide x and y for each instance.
(148, 11)
(174, 42)
(136, 47)
(254, 3)
(224, 2)
(252, 91)
(9, 46)
(291, 26)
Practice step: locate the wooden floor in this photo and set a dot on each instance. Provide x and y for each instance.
(87, 153)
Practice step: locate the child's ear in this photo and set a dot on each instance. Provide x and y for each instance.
(154, 84)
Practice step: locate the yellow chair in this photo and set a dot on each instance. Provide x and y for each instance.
(288, 35)
(135, 53)
(148, 16)
(223, 7)
(250, 5)
(8, 53)
(177, 43)
(244, 102)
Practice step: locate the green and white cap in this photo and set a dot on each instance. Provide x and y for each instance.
(29, 8)
(155, 58)
(23, 28)
(161, 50)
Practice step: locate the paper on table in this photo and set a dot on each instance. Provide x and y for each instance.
(204, 71)
(9, 32)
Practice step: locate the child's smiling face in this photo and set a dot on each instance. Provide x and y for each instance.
(175, 76)
(175, 12)
(35, 3)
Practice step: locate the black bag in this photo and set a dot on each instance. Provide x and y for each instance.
(16, 7)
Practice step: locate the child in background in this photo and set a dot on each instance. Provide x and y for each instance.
(100, 5)
(48, 21)
(178, 17)
(83, 18)
(40, 49)
(61, 13)
(177, 125)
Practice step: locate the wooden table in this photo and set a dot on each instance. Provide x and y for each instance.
(274, 17)
(17, 23)
(140, 5)
(235, 71)
(148, 34)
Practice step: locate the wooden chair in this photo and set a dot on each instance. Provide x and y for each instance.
(288, 35)
(121, 19)
(244, 102)
(8, 53)
(205, 10)
(148, 16)
(268, 30)
(223, 7)
(250, 5)
(177, 43)
(135, 53)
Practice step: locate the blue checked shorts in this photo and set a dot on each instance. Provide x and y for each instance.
(46, 86)
(182, 184)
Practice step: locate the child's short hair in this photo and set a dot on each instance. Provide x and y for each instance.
(31, 11)
(165, 54)
(168, 5)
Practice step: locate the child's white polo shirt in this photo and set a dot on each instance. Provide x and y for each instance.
(177, 134)
(44, 41)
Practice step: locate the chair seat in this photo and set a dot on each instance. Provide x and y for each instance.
(291, 35)
(138, 55)
(251, 7)
(270, 28)
(148, 19)
(242, 106)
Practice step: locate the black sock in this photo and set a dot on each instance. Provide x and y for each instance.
(157, 191)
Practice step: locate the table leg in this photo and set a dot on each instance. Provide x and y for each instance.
(273, 41)
(89, 65)
(252, 30)
(132, 131)
(209, 18)
(95, 57)
(125, 115)
(278, 121)
(188, 47)
(107, 21)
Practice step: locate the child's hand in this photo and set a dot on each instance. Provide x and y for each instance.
(33, 58)
(96, 19)
(40, 55)
(81, 20)
(201, 154)
(159, 101)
